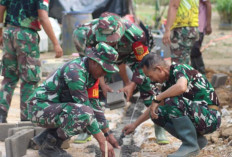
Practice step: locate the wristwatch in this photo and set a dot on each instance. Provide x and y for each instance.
(155, 100)
(108, 133)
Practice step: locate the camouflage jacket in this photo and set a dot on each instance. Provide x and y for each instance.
(199, 88)
(23, 13)
(84, 36)
(78, 80)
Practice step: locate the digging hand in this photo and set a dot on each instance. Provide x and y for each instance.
(111, 139)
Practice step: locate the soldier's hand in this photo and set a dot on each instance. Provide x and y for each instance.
(105, 88)
(154, 110)
(208, 30)
(58, 50)
(166, 38)
(128, 129)
(111, 139)
(109, 147)
(128, 90)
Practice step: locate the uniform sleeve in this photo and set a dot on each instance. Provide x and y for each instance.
(80, 38)
(4, 2)
(179, 71)
(76, 81)
(43, 4)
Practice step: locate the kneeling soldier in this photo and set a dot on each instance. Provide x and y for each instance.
(62, 103)
(187, 107)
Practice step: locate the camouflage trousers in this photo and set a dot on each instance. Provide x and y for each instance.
(70, 118)
(205, 120)
(20, 61)
(182, 41)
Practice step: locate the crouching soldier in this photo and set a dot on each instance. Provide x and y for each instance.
(187, 107)
(61, 104)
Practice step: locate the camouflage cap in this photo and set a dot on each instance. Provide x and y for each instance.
(110, 28)
(105, 55)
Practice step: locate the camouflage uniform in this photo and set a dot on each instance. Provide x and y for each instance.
(182, 41)
(193, 103)
(131, 46)
(77, 113)
(20, 51)
(184, 31)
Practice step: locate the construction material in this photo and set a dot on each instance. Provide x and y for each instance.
(116, 99)
(218, 80)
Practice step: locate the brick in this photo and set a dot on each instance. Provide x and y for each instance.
(8, 147)
(116, 100)
(14, 130)
(218, 80)
(4, 127)
(25, 123)
(18, 143)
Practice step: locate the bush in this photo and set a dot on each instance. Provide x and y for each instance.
(224, 8)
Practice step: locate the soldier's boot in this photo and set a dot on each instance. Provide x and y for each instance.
(186, 132)
(201, 140)
(51, 147)
(3, 116)
(38, 139)
(83, 138)
(160, 134)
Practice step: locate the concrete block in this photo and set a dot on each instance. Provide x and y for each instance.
(25, 123)
(116, 100)
(14, 130)
(50, 65)
(18, 143)
(218, 80)
(0, 154)
(8, 147)
(4, 127)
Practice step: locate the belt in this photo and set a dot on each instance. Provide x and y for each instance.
(214, 107)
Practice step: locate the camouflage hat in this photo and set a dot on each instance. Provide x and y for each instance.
(105, 55)
(110, 28)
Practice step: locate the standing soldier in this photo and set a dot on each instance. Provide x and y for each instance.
(21, 49)
(181, 30)
(62, 103)
(130, 42)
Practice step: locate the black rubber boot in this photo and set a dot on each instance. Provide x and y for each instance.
(38, 140)
(51, 147)
(186, 132)
(201, 140)
(3, 116)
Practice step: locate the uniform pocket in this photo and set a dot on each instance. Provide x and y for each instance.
(30, 70)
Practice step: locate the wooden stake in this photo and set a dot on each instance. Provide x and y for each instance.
(106, 149)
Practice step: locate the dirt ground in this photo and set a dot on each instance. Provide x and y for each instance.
(218, 59)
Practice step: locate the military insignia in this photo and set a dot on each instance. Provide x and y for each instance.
(139, 50)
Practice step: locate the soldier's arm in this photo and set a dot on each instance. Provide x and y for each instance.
(76, 80)
(44, 20)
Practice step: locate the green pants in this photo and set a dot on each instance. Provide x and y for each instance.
(20, 61)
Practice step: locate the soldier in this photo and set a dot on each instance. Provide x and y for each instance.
(130, 42)
(62, 103)
(21, 54)
(187, 107)
(181, 30)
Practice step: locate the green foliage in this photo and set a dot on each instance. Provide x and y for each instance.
(224, 7)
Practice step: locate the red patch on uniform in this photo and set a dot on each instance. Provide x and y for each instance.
(140, 50)
(93, 92)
